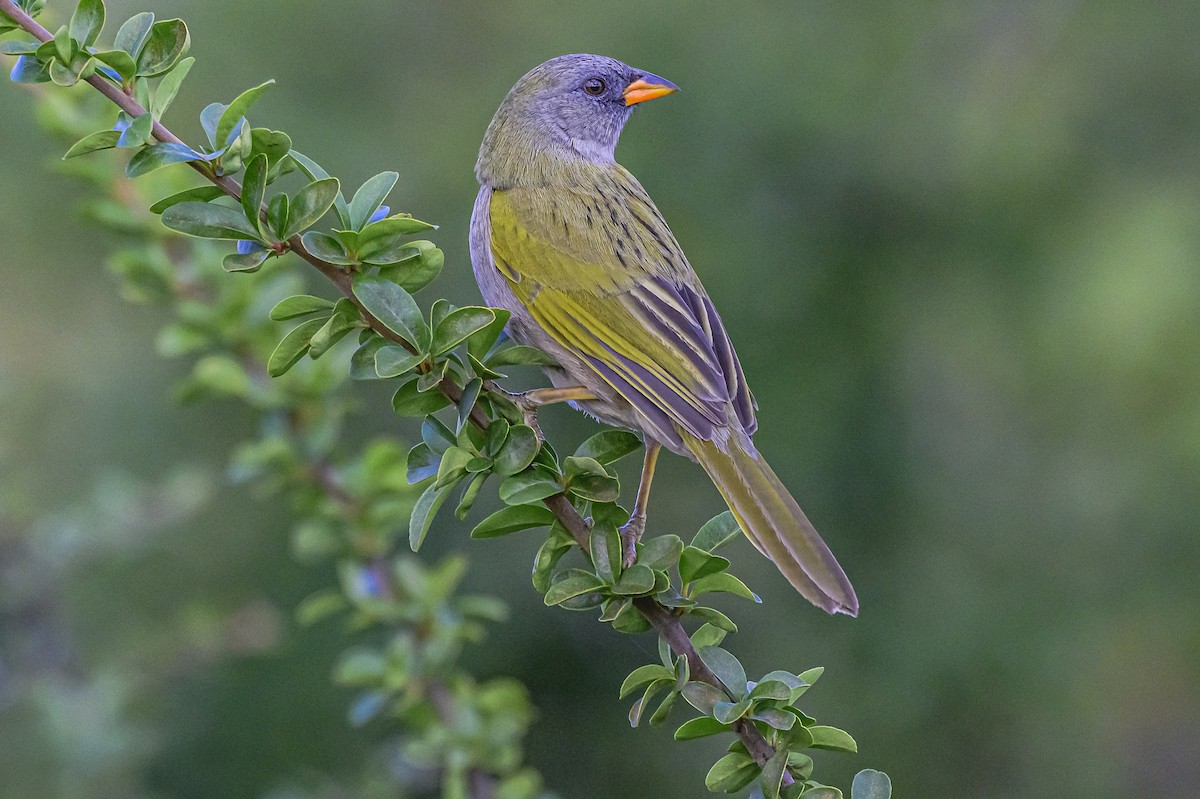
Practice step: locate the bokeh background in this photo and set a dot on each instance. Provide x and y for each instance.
(958, 246)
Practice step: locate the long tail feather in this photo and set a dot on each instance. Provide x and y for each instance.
(774, 523)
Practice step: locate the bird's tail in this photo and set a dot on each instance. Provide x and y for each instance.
(775, 524)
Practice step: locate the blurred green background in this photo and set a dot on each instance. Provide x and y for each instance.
(958, 247)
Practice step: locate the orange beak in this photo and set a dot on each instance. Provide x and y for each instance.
(647, 87)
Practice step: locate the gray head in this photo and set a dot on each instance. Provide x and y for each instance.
(571, 107)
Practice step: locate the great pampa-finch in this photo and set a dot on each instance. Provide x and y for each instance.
(566, 239)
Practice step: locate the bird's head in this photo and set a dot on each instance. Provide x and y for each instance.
(573, 105)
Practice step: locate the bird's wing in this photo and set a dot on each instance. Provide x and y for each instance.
(600, 271)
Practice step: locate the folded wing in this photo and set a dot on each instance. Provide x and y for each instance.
(601, 272)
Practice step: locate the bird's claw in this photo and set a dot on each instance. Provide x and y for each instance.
(631, 534)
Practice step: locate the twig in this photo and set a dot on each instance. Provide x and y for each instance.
(663, 619)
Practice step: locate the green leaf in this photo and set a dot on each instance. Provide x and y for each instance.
(663, 711)
(422, 463)
(497, 434)
(548, 555)
(604, 545)
(630, 621)
(236, 110)
(822, 792)
(345, 319)
(274, 144)
(133, 35)
(369, 197)
(771, 689)
(638, 707)
(708, 635)
(779, 719)
(320, 605)
(392, 360)
(156, 156)
(723, 582)
(714, 617)
(482, 340)
(458, 326)
(700, 728)
(511, 520)
(438, 436)
(695, 563)
(316, 172)
(703, 696)
(643, 675)
(87, 22)
(100, 140)
(731, 773)
(254, 191)
(209, 118)
(609, 446)
(637, 579)
(299, 305)
(521, 355)
(832, 738)
(322, 245)
(119, 61)
(469, 495)
(208, 221)
(360, 667)
(727, 668)
(801, 766)
(409, 401)
(716, 532)
(19, 47)
(245, 262)
(811, 676)
(415, 271)
(198, 194)
(166, 45)
(587, 478)
(528, 486)
(571, 587)
(470, 395)
(394, 307)
(423, 512)
(138, 132)
(871, 784)
(168, 87)
(309, 205)
(293, 347)
(796, 686)
(453, 465)
(729, 712)
(382, 241)
(661, 552)
(772, 774)
(62, 74)
(518, 451)
(362, 362)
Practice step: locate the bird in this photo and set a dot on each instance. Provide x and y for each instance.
(569, 242)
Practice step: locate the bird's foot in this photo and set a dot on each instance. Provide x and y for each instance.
(527, 405)
(631, 534)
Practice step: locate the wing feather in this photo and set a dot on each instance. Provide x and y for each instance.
(600, 270)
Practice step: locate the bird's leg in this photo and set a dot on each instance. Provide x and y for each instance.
(632, 531)
(530, 401)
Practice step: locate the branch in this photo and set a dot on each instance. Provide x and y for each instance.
(663, 619)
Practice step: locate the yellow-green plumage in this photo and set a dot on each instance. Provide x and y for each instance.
(571, 243)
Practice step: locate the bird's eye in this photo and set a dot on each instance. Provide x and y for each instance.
(594, 86)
